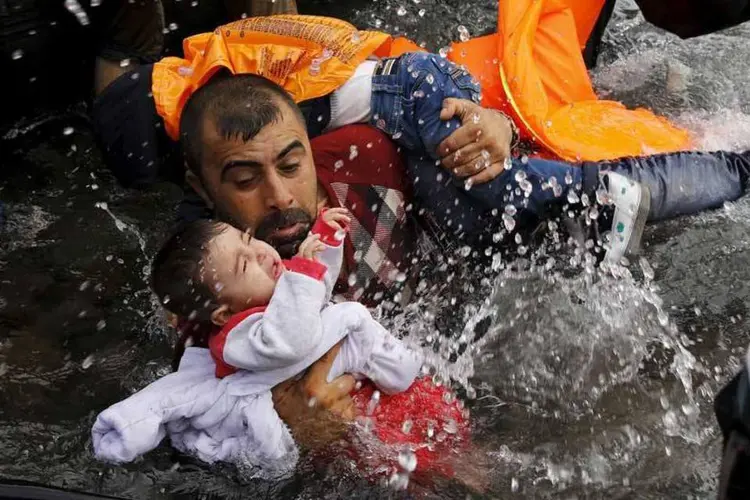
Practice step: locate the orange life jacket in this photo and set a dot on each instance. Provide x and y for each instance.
(309, 56)
(532, 69)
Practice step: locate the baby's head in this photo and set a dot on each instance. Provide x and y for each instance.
(210, 270)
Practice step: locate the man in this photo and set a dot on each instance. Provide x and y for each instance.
(250, 159)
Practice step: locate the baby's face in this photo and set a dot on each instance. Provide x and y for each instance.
(241, 270)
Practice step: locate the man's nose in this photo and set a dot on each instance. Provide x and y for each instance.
(277, 194)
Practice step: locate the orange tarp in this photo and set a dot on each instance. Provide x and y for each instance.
(533, 69)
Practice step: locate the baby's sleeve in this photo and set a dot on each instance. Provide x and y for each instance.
(370, 350)
(268, 449)
(332, 255)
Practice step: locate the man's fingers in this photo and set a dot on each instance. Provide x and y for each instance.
(464, 157)
(471, 168)
(487, 174)
(344, 409)
(450, 109)
(318, 372)
(466, 134)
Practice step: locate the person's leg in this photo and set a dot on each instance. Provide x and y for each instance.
(687, 182)
(236, 9)
(408, 94)
(131, 33)
(130, 133)
(527, 191)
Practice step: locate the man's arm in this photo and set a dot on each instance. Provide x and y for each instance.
(316, 411)
(479, 148)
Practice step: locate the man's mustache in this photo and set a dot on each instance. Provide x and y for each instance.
(282, 219)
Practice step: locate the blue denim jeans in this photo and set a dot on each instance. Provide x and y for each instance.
(407, 96)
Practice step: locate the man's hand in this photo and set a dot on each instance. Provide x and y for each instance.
(316, 412)
(479, 148)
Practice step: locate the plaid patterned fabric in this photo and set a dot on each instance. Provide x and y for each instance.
(371, 184)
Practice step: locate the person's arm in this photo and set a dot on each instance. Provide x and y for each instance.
(373, 352)
(331, 226)
(316, 411)
(289, 328)
(485, 137)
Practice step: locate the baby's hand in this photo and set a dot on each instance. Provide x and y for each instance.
(338, 218)
(311, 247)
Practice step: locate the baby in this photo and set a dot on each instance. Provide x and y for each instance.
(274, 321)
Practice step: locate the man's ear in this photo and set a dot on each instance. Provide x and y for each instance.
(195, 182)
(221, 315)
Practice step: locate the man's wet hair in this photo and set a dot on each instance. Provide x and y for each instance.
(239, 106)
(177, 271)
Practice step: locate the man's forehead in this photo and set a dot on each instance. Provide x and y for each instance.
(272, 138)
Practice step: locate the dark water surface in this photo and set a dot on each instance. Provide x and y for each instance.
(587, 388)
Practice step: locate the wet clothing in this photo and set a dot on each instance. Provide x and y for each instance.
(261, 348)
(407, 96)
(211, 418)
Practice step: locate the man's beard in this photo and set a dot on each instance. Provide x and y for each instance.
(286, 245)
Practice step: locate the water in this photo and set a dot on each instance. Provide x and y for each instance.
(581, 385)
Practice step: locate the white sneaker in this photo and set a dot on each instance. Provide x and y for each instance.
(632, 201)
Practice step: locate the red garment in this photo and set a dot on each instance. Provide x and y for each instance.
(423, 405)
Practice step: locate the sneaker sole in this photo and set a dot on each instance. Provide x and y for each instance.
(639, 224)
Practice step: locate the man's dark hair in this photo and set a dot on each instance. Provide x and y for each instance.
(239, 106)
(177, 271)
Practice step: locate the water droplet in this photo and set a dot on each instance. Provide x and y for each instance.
(109, 258)
(407, 426)
(352, 280)
(400, 277)
(518, 239)
(407, 460)
(430, 429)
(463, 33)
(312, 402)
(399, 481)
(509, 222)
(17, 54)
(338, 165)
(663, 317)
(573, 197)
(84, 285)
(520, 176)
(451, 427)
(444, 52)
(355, 37)
(353, 152)
(465, 251)
(339, 235)
(86, 364)
(397, 135)
(401, 11)
(101, 325)
(568, 178)
(514, 485)
(697, 311)
(421, 12)
(418, 94)
(172, 26)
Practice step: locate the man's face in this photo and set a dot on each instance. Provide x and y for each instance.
(267, 185)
